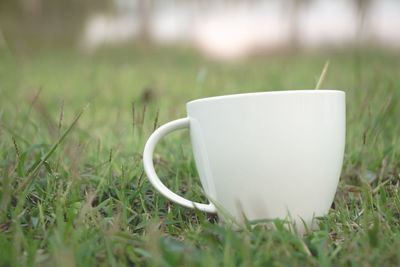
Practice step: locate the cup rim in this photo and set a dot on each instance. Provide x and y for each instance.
(283, 92)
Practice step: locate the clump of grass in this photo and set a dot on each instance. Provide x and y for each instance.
(36, 166)
(102, 211)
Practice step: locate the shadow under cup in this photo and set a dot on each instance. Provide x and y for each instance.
(263, 156)
(270, 155)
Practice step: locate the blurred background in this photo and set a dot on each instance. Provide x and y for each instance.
(230, 29)
(137, 62)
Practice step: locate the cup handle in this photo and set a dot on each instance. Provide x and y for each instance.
(151, 173)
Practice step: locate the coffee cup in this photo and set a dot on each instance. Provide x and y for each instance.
(262, 156)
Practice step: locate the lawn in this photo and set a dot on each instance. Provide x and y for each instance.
(73, 191)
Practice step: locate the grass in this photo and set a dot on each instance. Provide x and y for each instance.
(73, 191)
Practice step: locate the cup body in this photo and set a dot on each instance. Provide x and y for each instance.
(270, 155)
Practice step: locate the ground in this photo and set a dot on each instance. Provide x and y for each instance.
(73, 191)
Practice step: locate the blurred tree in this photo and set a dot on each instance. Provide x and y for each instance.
(294, 9)
(363, 7)
(46, 22)
(32, 10)
(144, 9)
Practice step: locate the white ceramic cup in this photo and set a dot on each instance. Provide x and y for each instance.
(263, 155)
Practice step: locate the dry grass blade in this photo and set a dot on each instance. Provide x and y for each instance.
(322, 76)
(133, 116)
(32, 103)
(156, 120)
(32, 174)
(143, 115)
(16, 147)
(60, 120)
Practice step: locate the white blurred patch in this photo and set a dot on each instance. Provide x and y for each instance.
(171, 24)
(328, 23)
(234, 29)
(102, 29)
(385, 22)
